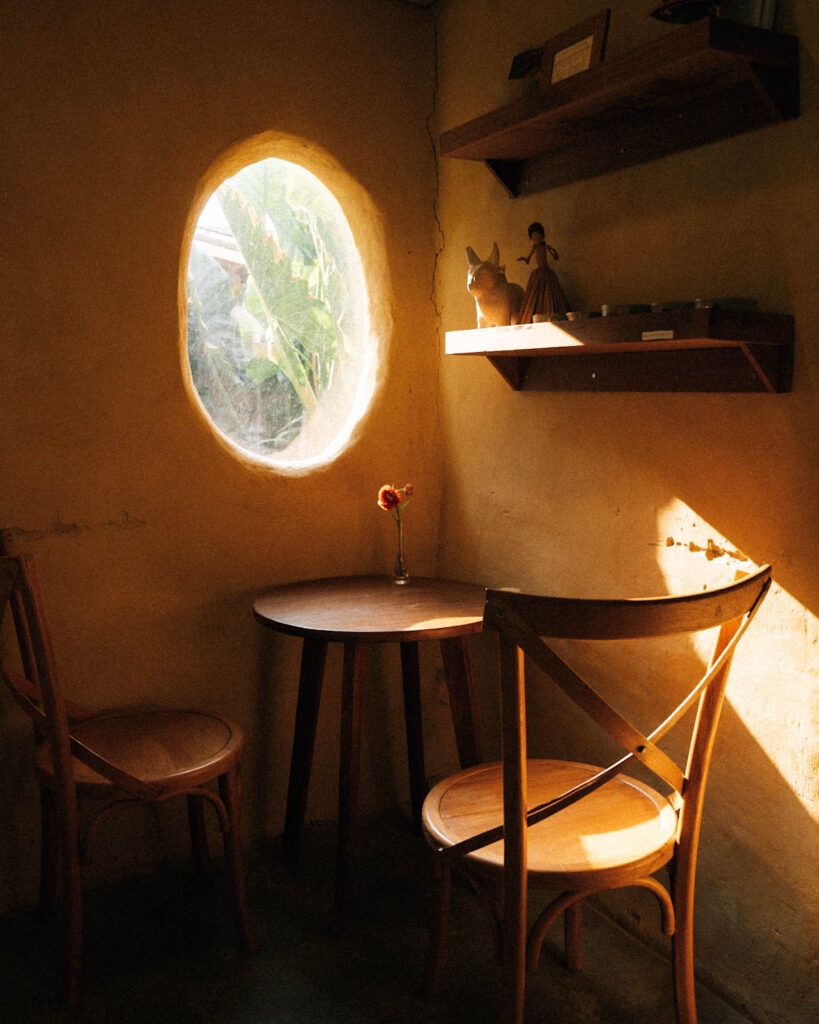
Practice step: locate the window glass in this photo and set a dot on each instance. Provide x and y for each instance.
(278, 334)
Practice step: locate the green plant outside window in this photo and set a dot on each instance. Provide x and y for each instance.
(276, 309)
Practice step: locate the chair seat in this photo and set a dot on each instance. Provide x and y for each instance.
(623, 830)
(171, 749)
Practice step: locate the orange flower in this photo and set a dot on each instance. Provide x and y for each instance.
(393, 499)
(389, 498)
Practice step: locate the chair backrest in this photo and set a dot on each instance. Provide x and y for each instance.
(27, 685)
(525, 620)
(33, 634)
(37, 690)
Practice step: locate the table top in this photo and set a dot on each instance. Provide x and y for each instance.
(373, 609)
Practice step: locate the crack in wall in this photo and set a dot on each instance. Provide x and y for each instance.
(60, 529)
(433, 295)
(438, 248)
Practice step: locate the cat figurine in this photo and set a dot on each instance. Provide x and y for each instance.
(498, 301)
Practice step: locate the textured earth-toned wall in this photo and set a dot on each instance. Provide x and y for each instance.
(634, 494)
(151, 537)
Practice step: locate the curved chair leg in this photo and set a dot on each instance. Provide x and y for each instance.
(514, 952)
(682, 943)
(199, 838)
(682, 948)
(545, 920)
(49, 852)
(439, 929)
(230, 791)
(665, 901)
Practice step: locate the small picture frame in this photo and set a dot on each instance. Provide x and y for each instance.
(527, 64)
(575, 50)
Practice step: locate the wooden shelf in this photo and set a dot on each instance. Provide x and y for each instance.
(707, 349)
(698, 84)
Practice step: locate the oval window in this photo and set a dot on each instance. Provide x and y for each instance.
(278, 338)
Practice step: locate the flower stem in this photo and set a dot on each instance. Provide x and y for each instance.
(400, 575)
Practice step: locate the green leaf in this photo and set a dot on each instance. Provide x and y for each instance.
(263, 338)
(285, 297)
(259, 370)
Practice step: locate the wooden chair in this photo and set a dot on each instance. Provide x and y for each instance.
(119, 758)
(575, 828)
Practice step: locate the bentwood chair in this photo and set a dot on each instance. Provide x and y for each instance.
(578, 829)
(118, 759)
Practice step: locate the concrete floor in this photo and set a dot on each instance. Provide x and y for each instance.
(157, 950)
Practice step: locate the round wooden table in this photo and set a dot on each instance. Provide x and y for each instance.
(358, 611)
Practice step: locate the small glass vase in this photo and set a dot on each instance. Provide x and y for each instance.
(400, 574)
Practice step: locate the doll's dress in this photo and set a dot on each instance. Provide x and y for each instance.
(543, 294)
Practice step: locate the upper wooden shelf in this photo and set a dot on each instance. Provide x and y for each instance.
(706, 81)
(708, 349)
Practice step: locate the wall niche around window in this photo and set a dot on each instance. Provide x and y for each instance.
(281, 351)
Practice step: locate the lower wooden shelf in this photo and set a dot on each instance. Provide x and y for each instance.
(708, 350)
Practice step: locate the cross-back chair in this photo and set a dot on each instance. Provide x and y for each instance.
(118, 759)
(578, 829)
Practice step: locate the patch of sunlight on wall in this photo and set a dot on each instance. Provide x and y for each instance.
(770, 684)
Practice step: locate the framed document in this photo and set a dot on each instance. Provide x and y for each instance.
(575, 50)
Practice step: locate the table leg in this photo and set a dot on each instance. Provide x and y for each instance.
(459, 683)
(411, 677)
(350, 750)
(313, 657)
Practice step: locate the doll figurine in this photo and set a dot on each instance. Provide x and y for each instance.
(543, 295)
